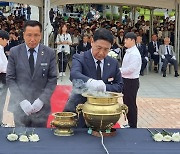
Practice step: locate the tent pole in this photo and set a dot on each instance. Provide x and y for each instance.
(177, 30)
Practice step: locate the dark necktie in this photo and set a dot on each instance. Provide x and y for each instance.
(98, 70)
(167, 50)
(31, 61)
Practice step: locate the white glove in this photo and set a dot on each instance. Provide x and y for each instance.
(96, 85)
(173, 57)
(147, 58)
(37, 105)
(163, 57)
(26, 107)
(101, 86)
(156, 53)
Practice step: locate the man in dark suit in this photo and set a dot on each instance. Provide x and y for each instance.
(84, 45)
(99, 71)
(144, 53)
(153, 49)
(31, 77)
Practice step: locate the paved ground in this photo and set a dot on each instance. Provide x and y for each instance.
(158, 102)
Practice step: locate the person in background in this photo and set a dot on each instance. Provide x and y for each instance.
(144, 54)
(130, 70)
(168, 55)
(84, 45)
(4, 37)
(28, 12)
(51, 15)
(98, 71)
(63, 42)
(31, 77)
(153, 48)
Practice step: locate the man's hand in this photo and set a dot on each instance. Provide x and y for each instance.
(155, 53)
(37, 105)
(26, 107)
(173, 57)
(163, 57)
(147, 58)
(96, 85)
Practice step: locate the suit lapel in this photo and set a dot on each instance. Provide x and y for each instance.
(40, 56)
(106, 67)
(23, 53)
(90, 63)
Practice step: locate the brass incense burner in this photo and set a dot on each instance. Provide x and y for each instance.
(64, 121)
(102, 112)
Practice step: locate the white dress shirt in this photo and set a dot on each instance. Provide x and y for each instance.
(3, 60)
(131, 64)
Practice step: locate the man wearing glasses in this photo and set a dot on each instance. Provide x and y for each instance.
(98, 71)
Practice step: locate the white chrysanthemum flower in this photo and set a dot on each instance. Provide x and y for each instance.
(12, 137)
(167, 138)
(158, 137)
(112, 54)
(23, 138)
(34, 138)
(176, 137)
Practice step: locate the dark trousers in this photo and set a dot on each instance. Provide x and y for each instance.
(130, 90)
(62, 60)
(38, 119)
(144, 63)
(3, 93)
(155, 58)
(169, 60)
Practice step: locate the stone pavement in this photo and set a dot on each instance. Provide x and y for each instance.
(158, 102)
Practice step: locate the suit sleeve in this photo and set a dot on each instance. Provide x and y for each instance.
(76, 70)
(117, 84)
(52, 80)
(160, 50)
(11, 79)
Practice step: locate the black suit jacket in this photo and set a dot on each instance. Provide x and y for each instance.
(151, 48)
(82, 48)
(143, 51)
(83, 67)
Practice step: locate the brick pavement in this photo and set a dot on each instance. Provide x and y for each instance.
(160, 111)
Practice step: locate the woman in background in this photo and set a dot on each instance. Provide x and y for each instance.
(63, 41)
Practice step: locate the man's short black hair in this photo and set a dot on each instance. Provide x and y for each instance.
(131, 35)
(103, 34)
(4, 35)
(33, 23)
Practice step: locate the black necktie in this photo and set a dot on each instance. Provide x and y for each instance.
(167, 50)
(31, 61)
(98, 70)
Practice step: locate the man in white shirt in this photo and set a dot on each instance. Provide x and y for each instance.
(130, 71)
(4, 37)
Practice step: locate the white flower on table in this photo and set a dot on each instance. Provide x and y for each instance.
(23, 138)
(34, 138)
(158, 137)
(12, 137)
(176, 137)
(167, 138)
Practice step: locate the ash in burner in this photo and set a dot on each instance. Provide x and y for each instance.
(79, 87)
(98, 94)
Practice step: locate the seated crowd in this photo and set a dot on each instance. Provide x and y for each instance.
(77, 35)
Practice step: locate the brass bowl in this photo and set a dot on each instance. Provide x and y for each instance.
(102, 113)
(64, 121)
